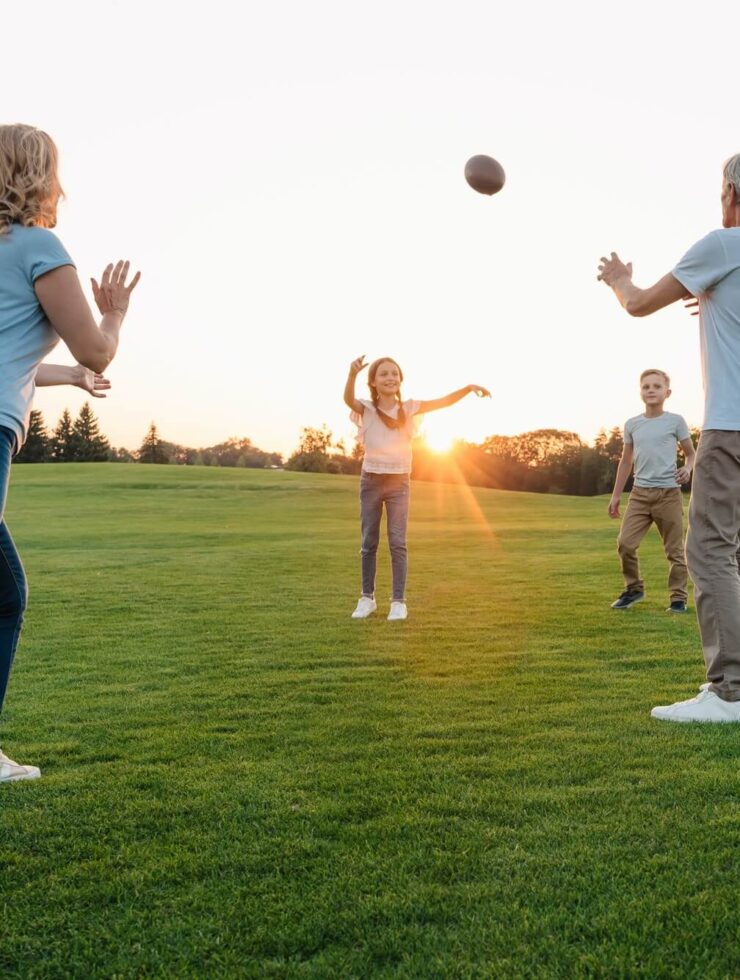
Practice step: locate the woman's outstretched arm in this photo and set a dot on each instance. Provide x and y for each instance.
(77, 375)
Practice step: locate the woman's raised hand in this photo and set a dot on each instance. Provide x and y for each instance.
(480, 391)
(357, 365)
(112, 294)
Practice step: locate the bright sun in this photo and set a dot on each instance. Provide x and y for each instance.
(440, 442)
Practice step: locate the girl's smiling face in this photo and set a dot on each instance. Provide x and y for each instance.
(387, 379)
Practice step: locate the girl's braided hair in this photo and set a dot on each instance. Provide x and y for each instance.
(400, 420)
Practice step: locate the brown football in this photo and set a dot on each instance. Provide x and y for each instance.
(484, 174)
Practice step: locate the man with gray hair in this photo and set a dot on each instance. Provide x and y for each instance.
(709, 277)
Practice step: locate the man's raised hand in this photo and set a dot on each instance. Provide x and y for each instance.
(611, 270)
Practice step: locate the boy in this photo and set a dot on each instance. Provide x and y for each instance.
(650, 441)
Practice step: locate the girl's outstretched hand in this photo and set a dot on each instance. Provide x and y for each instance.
(480, 391)
(94, 384)
(112, 294)
(357, 365)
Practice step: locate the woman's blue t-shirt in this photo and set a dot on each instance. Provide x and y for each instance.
(26, 336)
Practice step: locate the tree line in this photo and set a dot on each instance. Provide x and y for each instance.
(543, 461)
(81, 441)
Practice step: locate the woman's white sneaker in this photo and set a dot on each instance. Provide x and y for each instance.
(706, 706)
(398, 611)
(11, 772)
(365, 607)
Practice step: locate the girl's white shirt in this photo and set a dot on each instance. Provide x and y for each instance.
(386, 450)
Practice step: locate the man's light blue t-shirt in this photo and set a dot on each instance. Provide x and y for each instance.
(710, 270)
(26, 336)
(654, 441)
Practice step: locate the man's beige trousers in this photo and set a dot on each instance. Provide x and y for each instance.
(714, 562)
(662, 506)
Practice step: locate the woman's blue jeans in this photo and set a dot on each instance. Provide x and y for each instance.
(13, 589)
(391, 489)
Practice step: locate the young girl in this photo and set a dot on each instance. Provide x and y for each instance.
(386, 427)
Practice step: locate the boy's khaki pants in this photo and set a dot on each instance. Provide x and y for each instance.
(662, 506)
(712, 551)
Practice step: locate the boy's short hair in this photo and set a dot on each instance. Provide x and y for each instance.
(656, 371)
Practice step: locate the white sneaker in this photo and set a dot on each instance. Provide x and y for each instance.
(365, 607)
(706, 706)
(11, 772)
(398, 611)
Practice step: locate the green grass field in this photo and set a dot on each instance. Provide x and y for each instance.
(241, 781)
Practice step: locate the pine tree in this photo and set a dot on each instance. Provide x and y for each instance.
(36, 447)
(152, 450)
(88, 443)
(61, 447)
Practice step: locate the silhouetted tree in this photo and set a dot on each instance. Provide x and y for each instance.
(36, 447)
(61, 444)
(89, 445)
(152, 449)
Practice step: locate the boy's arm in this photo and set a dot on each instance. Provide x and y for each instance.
(349, 389)
(683, 475)
(452, 398)
(623, 471)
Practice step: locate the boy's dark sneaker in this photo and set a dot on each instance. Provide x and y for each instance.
(628, 598)
(677, 606)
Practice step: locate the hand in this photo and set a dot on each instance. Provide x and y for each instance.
(614, 507)
(691, 303)
(683, 475)
(357, 365)
(613, 269)
(89, 381)
(479, 391)
(112, 294)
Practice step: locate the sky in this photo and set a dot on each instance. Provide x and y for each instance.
(289, 179)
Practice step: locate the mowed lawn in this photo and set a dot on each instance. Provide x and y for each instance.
(239, 780)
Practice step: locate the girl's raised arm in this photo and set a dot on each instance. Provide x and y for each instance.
(453, 397)
(349, 389)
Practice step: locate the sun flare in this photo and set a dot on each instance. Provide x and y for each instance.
(440, 442)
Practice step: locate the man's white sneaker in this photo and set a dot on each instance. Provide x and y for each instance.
(706, 706)
(365, 607)
(11, 772)
(398, 611)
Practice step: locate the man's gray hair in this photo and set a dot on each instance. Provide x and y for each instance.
(731, 172)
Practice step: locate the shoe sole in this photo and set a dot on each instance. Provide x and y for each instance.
(696, 721)
(17, 779)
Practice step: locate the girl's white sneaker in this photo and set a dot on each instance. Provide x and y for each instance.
(365, 607)
(398, 611)
(11, 772)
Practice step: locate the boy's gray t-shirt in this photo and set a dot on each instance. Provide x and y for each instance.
(654, 441)
(710, 270)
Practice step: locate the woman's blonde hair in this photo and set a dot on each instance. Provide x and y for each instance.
(29, 180)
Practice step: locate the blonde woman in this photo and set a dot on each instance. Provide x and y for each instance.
(41, 301)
